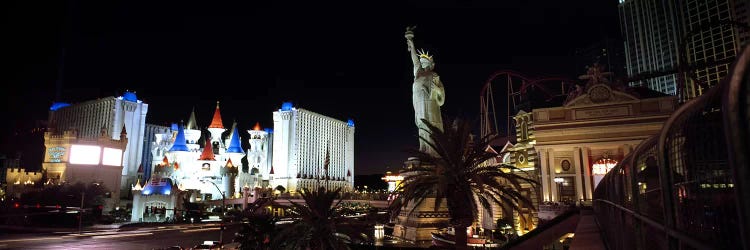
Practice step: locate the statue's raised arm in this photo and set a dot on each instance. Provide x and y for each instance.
(409, 34)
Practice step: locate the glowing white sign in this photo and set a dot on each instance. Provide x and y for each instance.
(112, 157)
(603, 166)
(85, 154)
(390, 178)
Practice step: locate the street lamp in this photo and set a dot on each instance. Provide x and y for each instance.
(559, 181)
(223, 206)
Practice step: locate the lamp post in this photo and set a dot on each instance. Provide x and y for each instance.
(80, 215)
(559, 182)
(223, 206)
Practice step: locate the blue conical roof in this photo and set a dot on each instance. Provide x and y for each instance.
(234, 142)
(179, 141)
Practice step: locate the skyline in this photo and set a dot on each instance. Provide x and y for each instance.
(346, 62)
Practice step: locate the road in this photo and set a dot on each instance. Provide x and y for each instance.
(127, 238)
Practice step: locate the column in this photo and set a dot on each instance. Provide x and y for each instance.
(577, 166)
(542, 154)
(555, 187)
(587, 173)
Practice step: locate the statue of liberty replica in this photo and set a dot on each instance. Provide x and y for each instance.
(428, 93)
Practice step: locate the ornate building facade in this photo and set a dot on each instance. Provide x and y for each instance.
(572, 146)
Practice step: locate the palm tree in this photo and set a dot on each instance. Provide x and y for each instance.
(316, 227)
(257, 229)
(458, 174)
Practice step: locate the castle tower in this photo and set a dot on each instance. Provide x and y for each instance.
(229, 177)
(257, 157)
(234, 151)
(216, 128)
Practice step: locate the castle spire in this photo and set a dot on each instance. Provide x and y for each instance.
(179, 141)
(234, 142)
(192, 124)
(208, 152)
(216, 121)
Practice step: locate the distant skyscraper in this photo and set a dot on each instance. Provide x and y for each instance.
(108, 115)
(310, 150)
(656, 32)
(649, 30)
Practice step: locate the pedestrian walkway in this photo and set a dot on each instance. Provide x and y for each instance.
(587, 235)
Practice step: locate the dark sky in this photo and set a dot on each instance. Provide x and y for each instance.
(344, 59)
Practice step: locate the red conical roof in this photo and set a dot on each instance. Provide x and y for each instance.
(271, 170)
(140, 168)
(257, 127)
(208, 152)
(216, 122)
(165, 161)
(229, 164)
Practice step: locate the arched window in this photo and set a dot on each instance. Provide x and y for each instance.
(524, 130)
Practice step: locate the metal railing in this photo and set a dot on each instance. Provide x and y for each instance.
(687, 187)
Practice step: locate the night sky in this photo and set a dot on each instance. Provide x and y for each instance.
(344, 59)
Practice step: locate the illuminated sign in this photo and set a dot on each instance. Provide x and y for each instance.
(112, 157)
(603, 166)
(55, 154)
(390, 178)
(85, 154)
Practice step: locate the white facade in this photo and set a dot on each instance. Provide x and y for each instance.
(259, 157)
(110, 114)
(189, 170)
(302, 140)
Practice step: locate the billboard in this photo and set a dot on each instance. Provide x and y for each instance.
(112, 157)
(85, 154)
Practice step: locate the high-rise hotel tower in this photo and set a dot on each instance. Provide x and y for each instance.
(311, 150)
(109, 115)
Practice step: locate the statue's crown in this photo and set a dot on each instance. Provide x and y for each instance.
(424, 54)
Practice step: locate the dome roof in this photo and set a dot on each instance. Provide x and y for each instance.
(130, 96)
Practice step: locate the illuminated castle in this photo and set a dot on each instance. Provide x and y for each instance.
(209, 171)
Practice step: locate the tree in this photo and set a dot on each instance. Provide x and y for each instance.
(459, 175)
(258, 228)
(316, 227)
(280, 188)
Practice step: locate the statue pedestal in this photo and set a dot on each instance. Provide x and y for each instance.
(423, 220)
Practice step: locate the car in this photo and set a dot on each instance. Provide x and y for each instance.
(170, 248)
(208, 245)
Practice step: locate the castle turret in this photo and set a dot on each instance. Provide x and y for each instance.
(229, 176)
(234, 151)
(216, 128)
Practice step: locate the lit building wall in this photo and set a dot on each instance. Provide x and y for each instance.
(650, 32)
(302, 141)
(70, 159)
(707, 45)
(654, 31)
(111, 115)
